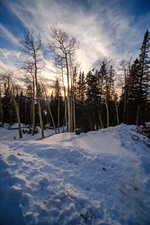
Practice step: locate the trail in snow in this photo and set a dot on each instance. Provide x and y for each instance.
(96, 178)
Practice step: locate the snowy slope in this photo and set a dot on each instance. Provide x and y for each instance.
(96, 178)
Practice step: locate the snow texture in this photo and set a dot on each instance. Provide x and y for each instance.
(97, 178)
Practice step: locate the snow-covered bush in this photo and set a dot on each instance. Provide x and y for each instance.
(144, 129)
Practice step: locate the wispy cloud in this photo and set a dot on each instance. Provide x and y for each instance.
(12, 61)
(9, 60)
(8, 35)
(103, 29)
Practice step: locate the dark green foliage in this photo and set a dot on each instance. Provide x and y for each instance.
(81, 87)
(91, 93)
(137, 86)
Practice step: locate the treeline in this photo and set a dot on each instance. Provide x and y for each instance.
(77, 100)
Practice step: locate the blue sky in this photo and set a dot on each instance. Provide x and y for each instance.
(104, 28)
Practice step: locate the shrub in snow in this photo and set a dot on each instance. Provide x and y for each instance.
(144, 129)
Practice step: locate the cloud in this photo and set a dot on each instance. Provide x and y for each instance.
(7, 34)
(8, 60)
(83, 26)
(12, 61)
(103, 28)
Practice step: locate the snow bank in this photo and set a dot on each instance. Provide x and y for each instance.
(96, 178)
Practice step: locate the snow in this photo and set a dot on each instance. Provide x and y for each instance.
(12, 133)
(98, 178)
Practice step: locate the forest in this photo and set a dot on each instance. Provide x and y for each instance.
(77, 101)
(74, 112)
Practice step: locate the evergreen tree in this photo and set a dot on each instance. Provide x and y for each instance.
(133, 82)
(144, 72)
(106, 86)
(58, 105)
(93, 100)
(143, 82)
(81, 87)
(132, 89)
(92, 91)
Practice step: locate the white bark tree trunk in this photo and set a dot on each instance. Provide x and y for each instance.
(41, 120)
(18, 116)
(117, 113)
(107, 114)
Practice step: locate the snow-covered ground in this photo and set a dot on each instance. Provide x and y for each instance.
(98, 178)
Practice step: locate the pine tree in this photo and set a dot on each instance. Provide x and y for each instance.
(143, 84)
(133, 87)
(132, 91)
(81, 87)
(93, 100)
(144, 58)
(106, 85)
(57, 91)
(92, 91)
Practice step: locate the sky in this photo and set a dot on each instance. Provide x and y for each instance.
(111, 29)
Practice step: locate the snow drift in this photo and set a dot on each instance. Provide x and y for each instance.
(98, 178)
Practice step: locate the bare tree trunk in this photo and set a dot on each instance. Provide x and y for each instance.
(41, 120)
(74, 113)
(71, 94)
(39, 103)
(125, 108)
(36, 95)
(65, 100)
(1, 111)
(18, 117)
(71, 112)
(107, 114)
(138, 115)
(68, 96)
(25, 117)
(33, 117)
(58, 115)
(67, 46)
(50, 112)
(66, 116)
(117, 113)
(100, 119)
